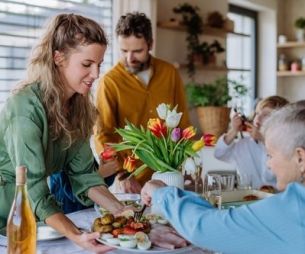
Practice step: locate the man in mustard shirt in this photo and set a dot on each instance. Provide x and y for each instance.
(133, 89)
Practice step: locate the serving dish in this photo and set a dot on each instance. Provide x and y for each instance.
(153, 250)
(235, 198)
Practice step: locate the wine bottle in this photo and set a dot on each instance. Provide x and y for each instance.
(21, 224)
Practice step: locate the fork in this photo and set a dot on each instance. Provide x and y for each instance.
(138, 214)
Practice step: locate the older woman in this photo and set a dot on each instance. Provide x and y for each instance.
(273, 225)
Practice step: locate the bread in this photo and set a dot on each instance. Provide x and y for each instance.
(250, 197)
(267, 188)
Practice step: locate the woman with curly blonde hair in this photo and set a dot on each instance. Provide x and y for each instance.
(46, 124)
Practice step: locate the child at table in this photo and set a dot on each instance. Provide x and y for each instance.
(248, 154)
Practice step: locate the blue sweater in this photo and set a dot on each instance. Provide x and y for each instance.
(273, 225)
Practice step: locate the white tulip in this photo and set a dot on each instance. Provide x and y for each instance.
(197, 160)
(189, 166)
(173, 119)
(162, 111)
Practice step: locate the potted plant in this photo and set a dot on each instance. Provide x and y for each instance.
(211, 102)
(300, 26)
(202, 52)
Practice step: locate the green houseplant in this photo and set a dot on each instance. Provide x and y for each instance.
(194, 25)
(211, 102)
(201, 52)
(300, 26)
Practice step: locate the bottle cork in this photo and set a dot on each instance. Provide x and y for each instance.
(21, 174)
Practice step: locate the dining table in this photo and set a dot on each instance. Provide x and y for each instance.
(84, 219)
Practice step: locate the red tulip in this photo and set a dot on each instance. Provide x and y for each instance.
(109, 153)
(209, 139)
(130, 164)
(157, 127)
(189, 132)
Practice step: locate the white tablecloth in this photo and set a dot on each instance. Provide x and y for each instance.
(83, 219)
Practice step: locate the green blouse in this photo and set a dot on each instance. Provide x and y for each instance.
(24, 140)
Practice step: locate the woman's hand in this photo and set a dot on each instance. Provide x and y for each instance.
(103, 197)
(65, 226)
(148, 190)
(88, 242)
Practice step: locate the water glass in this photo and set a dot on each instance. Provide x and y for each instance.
(244, 181)
(212, 189)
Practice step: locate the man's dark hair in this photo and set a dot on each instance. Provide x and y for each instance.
(136, 24)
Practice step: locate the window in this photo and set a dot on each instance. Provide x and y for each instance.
(241, 54)
(21, 23)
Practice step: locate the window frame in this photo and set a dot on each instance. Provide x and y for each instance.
(254, 15)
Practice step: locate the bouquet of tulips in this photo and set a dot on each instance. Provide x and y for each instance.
(162, 146)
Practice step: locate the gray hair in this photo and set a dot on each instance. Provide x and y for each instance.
(288, 128)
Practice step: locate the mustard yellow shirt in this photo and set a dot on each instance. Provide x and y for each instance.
(123, 96)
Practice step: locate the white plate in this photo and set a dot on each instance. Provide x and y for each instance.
(127, 196)
(44, 232)
(152, 250)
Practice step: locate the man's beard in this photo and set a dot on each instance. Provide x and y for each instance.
(141, 67)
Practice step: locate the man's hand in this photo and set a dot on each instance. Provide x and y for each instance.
(122, 184)
(149, 188)
(130, 185)
(109, 167)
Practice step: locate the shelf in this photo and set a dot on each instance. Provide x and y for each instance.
(202, 67)
(236, 69)
(207, 30)
(291, 44)
(290, 73)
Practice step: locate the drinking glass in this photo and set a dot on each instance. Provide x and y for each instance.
(212, 189)
(244, 181)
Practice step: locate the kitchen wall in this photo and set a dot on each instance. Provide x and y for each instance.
(275, 17)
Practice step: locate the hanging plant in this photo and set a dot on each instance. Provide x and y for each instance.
(194, 26)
